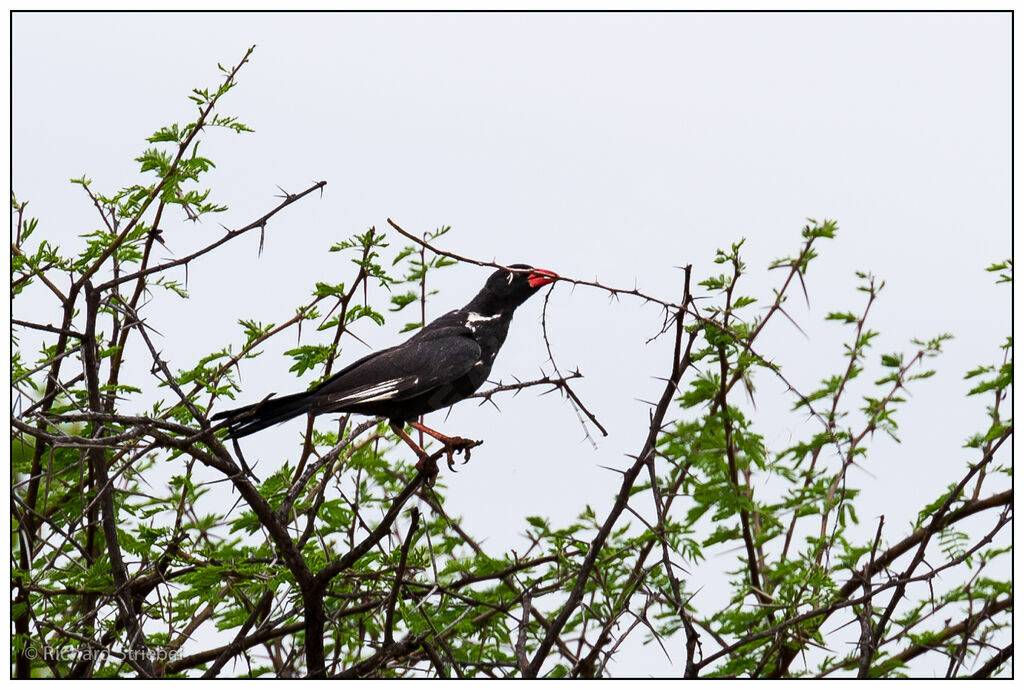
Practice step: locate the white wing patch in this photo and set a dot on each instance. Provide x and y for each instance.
(385, 390)
(473, 319)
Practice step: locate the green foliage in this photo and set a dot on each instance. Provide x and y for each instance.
(309, 357)
(202, 546)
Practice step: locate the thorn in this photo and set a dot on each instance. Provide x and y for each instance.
(807, 299)
(793, 322)
(358, 338)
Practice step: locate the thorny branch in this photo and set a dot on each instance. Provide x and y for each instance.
(260, 223)
(98, 466)
(821, 613)
(680, 362)
(577, 404)
(477, 262)
(331, 588)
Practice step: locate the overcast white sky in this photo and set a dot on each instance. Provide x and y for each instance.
(611, 145)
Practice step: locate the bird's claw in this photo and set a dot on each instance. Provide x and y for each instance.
(451, 445)
(457, 444)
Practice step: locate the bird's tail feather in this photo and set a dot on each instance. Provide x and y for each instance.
(243, 421)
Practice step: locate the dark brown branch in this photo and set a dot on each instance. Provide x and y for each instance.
(892, 553)
(342, 327)
(333, 569)
(47, 327)
(933, 527)
(312, 596)
(27, 534)
(524, 630)
(394, 650)
(576, 402)
(830, 421)
(824, 612)
(692, 636)
(506, 574)
(328, 458)
(39, 272)
(206, 656)
(140, 658)
(319, 495)
(230, 235)
(993, 664)
(477, 262)
(587, 666)
(680, 363)
(866, 649)
(173, 168)
(742, 494)
(964, 627)
(389, 618)
(260, 610)
(500, 387)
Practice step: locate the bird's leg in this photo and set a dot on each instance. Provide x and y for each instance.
(451, 443)
(424, 457)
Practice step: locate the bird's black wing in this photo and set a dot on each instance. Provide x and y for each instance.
(370, 384)
(398, 373)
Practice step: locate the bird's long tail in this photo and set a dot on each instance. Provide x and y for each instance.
(243, 421)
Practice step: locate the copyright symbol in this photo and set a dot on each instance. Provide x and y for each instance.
(31, 653)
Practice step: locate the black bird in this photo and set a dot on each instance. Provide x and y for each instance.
(443, 363)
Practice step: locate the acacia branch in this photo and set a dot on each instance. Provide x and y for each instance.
(932, 528)
(333, 569)
(197, 126)
(328, 458)
(742, 494)
(477, 262)
(993, 664)
(680, 362)
(965, 627)
(260, 610)
(556, 383)
(40, 273)
(141, 658)
(820, 614)
(261, 222)
(389, 618)
(577, 404)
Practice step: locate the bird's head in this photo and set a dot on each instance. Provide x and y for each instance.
(506, 290)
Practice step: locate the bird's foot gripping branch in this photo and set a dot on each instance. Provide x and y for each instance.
(450, 445)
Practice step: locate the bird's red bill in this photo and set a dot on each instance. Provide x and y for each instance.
(540, 277)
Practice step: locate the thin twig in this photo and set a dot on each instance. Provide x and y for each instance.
(477, 262)
(577, 404)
